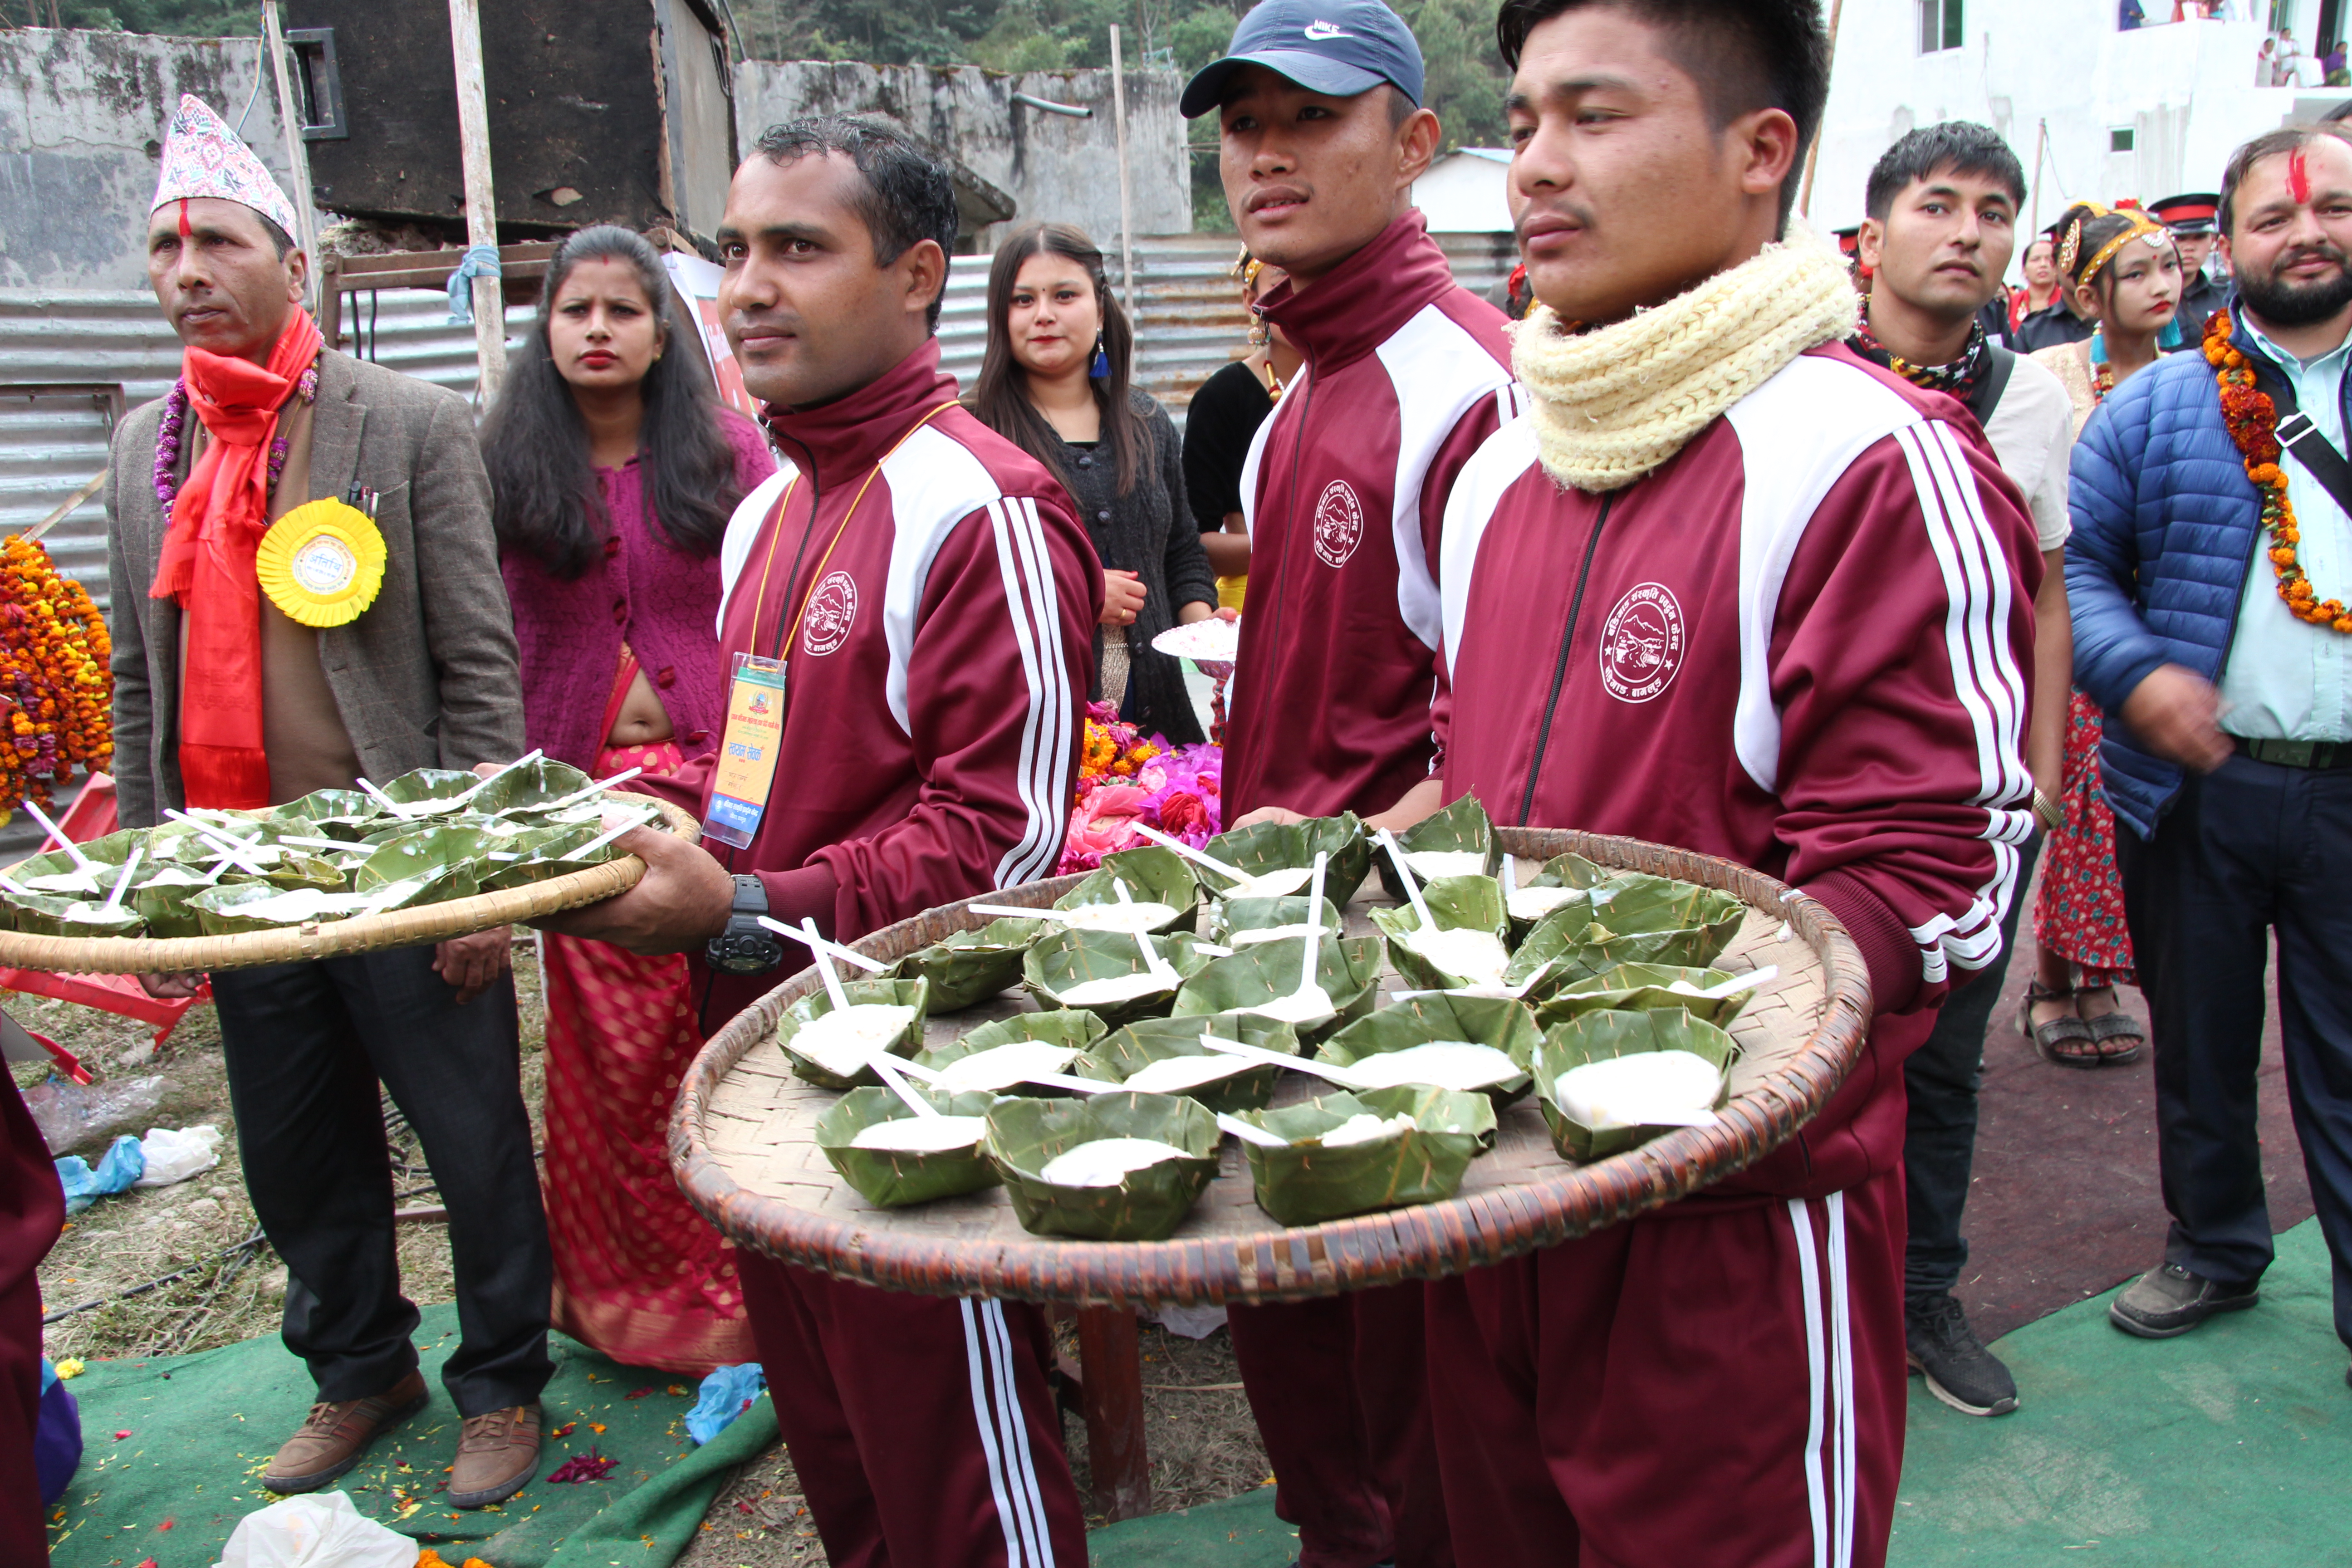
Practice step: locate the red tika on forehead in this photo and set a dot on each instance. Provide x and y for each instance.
(185, 230)
(2298, 177)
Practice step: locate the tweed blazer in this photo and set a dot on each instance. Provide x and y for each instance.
(426, 677)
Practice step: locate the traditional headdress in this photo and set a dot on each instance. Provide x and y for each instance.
(202, 157)
(2070, 245)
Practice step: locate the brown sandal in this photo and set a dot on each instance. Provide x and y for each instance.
(2117, 1027)
(2051, 1040)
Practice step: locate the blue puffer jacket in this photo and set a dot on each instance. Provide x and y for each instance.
(2165, 525)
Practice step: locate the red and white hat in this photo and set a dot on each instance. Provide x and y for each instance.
(202, 157)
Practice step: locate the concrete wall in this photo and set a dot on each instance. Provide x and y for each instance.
(1058, 169)
(2185, 91)
(81, 125)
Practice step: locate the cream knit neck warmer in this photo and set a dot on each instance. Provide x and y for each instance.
(1613, 404)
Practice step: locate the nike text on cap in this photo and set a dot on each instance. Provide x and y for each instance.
(1341, 47)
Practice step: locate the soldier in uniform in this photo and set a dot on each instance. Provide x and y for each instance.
(2191, 219)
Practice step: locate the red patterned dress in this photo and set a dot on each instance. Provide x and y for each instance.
(2080, 911)
(639, 1274)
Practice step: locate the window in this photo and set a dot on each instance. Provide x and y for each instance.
(2120, 140)
(1939, 25)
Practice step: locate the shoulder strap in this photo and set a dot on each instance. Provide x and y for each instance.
(1985, 396)
(2298, 435)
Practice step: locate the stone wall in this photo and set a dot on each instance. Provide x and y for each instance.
(81, 125)
(1057, 168)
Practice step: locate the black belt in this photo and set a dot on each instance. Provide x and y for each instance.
(2296, 753)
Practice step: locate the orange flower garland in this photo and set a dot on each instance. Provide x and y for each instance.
(57, 683)
(2252, 421)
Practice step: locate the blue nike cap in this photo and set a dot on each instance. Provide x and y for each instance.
(1341, 47)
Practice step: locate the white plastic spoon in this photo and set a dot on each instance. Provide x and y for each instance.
(82, 862)
(1404, 875)
(232, 850)
(636, 821)
(1753, 980)
(114, 898)
(1195, 856)
(848, 954)
(576, 796)
(889, 1071)
(1340, 1075)
(1249, 1134)
(822, 949)
(1314, 926)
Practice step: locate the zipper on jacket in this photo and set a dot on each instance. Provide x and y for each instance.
(1560, 669)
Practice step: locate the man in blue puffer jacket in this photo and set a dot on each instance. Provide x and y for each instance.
(2228, 756)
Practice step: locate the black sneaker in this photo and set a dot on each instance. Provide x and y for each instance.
(1959, 1369)
(2169, 1301)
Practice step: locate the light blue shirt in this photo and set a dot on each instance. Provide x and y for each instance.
(2285, 679)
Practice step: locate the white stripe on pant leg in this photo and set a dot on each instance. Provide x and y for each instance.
(973, 1357)
(1021, 1471)
(1802, 1223)
(1842, 1359)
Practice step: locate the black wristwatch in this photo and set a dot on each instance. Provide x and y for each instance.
(745, 947)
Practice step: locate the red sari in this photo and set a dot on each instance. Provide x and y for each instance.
(639, 1274)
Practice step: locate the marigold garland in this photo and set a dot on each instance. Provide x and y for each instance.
(57, 679)
(2252, 421)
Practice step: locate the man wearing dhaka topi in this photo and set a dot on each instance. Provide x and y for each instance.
(240, 682)
(1729, 587)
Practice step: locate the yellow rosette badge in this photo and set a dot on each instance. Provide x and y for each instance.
(323, 562)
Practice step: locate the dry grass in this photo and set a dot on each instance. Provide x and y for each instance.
(1203, 1445)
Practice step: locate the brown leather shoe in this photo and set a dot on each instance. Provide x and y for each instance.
(498, 1454)
(337, 1432)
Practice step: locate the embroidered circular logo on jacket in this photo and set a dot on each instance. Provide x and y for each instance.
(1338, 523)
(832, 611)
(1641, 643)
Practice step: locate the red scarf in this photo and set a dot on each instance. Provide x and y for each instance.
(208, 565)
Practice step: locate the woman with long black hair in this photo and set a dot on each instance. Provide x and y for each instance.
(1056, 380)
(613, 473)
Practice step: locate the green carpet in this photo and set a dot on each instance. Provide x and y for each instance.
(196, 1431)
(2232, 1444)
(2149, 1454)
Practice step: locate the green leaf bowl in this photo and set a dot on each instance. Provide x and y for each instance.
(1267, 847)
(1645, 985)
(1306, 1184)
(1496, 1021)
(1128, 1051)
(1347, 968)
(890, 1178)
(1597, 1035)
(1232, 916)
(1455, 903)
(1072, 1027)
(72, 917)
(915, 994)
(1059, 963)
(1023, 1135)
(972, 966)
(1152, 874)
(1462, 829)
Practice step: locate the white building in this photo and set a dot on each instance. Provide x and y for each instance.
(1465, 192)
(2105, 113)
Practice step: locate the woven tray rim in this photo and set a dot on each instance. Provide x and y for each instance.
(335, 939)
(1427, 1242)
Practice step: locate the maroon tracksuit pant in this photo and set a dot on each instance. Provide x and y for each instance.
(1721, 1383)
(32, 1213)
(1339, 1392)
(922, 1429)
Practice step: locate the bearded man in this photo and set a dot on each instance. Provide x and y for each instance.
(1730, 586)
(2209, 569)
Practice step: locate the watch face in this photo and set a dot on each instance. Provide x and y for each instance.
(748, 954)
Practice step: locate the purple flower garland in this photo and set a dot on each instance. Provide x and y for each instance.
(176, 419)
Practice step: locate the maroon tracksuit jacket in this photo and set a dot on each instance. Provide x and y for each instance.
(1802, 644)
(1344, 491)
(934, 600)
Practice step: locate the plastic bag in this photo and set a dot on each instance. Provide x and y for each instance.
(122, 1165)
(1192, 1323)
(318, 1529)
(726, 1395)
(84, 1116)
(176, 1156)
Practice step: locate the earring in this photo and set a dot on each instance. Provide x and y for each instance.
(1100, 369)
(1259, 336)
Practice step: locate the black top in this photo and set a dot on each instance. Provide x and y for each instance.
(2049, 326)
(1224, 416)
(2205, 295)
(1139, 533)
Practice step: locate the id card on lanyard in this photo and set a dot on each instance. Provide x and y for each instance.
(747, 751)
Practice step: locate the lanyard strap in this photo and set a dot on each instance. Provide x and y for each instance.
(817, 575)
